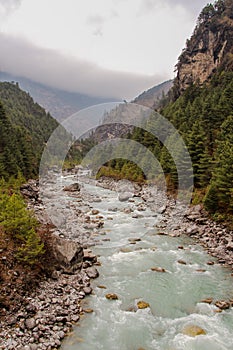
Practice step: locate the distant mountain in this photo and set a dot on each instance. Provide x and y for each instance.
(61, 104)
(25, 128)
(151, 97)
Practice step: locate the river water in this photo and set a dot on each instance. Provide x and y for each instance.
(174, 297)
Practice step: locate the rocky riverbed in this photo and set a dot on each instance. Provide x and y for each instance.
(48, 313)
(179, 220)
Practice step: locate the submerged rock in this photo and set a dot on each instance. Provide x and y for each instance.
(182, 262)
(142, 304)
(193, 331)
(207, 300)
(158, 269)
(222, 304)
(111, 296)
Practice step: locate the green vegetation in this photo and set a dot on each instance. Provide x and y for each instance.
(19, 224)
(24, 130)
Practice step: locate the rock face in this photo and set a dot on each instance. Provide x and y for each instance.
(207, 49)
(69, 254)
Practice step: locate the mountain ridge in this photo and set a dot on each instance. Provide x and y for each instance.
(60, 104)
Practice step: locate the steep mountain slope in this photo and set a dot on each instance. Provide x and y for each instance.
(25, 129)
(61, 104)
(210, 46)
(200, 106)
(151, 97)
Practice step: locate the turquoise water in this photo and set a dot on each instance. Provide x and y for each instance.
(174, 297)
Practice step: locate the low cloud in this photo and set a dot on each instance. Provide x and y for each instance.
(8, 6)
(192, 6)
(50, 67)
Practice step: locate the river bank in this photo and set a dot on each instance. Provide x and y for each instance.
(41, 317)
(49, 313)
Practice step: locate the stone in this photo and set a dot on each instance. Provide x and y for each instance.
(75, 318)
(158, 269)
(75, 187)
(162, 210)
(95, 212)
(88, 311)
(193, 331)
(68, 253)
(125, 250)
(92, 272)
(30, 323)
(222, 304)
(207, 300)
(137, 216)
(89, 256)
(182, 262)
(134, 239)
(96, 200)
(142, 305)
(124, 196)
(111, 296)
(87, 290)
(192, 230)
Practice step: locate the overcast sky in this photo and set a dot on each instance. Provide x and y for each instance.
(110, 48)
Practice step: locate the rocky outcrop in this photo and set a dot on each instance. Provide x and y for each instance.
(207, 49)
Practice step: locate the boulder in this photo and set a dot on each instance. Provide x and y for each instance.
(69, 254)
(92, 272)
(30, 190)
(124, 196)
(30, 323)
(75, 187)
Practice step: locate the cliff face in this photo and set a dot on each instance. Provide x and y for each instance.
(209, 47)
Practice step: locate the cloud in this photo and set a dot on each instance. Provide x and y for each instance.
(8, 6)
(50, 67)
(194, 7)
(96, 21)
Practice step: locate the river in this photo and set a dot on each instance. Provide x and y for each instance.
(174, 296)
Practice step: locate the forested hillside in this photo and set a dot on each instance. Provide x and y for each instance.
(200, 106)
(24, 130)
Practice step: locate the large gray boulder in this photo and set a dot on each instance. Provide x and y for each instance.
(69, 254)
(125, 196)
(75, 187)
